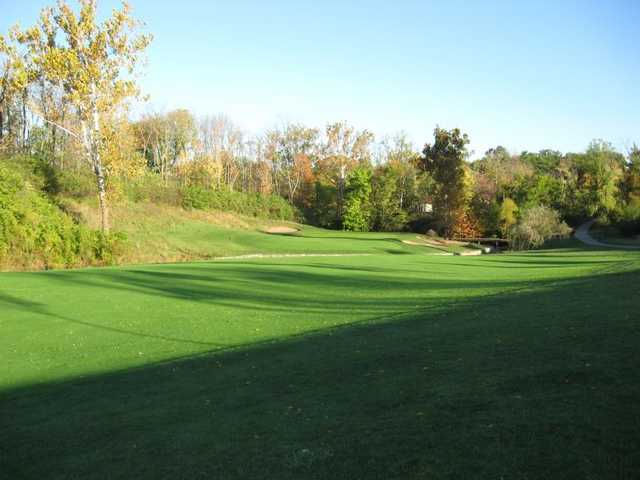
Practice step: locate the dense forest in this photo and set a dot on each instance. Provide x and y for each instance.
(66, 87)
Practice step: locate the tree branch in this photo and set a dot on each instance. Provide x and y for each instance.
(45, 119)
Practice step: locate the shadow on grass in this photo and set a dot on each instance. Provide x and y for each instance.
(15, 302)
(278, 287)
(540, 384)
(41, 309)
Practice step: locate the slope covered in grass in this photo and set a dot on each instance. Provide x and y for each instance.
(162, 233)
(51, 219)
(380, 366)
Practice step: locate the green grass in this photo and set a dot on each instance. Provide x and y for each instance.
(392, 365)
(161, 233)
(225, 241)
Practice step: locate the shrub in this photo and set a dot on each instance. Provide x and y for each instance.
(356, 217)
(196, 198)
(537, 225)
(250, 204)
(507, 215)
(149, 187)
(357, 214)
(466, 225)
(36, 233)
(627, 219)
(77, 184)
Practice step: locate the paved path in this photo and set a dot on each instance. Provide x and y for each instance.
(582, 234)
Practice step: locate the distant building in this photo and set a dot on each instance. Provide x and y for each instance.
(426, 208)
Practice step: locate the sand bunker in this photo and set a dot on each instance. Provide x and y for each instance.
(280, 230)
(411, 242)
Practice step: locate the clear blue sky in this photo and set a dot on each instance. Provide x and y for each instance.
(526, 75)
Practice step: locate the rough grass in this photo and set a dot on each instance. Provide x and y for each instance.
(383, 366)
(160, 233)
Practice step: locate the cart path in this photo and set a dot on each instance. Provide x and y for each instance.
(582, 234)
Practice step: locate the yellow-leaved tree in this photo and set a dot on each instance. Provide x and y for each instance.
(92, 64)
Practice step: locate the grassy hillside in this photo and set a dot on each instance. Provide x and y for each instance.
(50, 219)
(162, 233)
(381, 366)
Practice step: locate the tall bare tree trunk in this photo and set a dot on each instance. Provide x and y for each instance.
(24, 120)
(91, 142)
(97, 168)
(2, 107)
(54, 132)
(102, 195)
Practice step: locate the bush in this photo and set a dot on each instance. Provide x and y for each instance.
(77, 184)
(36, 233)
(250, 204)
(356, 218)
(507, 215)
(357, 205)
(537, 225)
(627, 219)
(150, 187)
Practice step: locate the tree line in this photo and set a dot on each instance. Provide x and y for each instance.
(66, 84)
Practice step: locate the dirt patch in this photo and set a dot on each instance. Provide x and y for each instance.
(280, 230)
